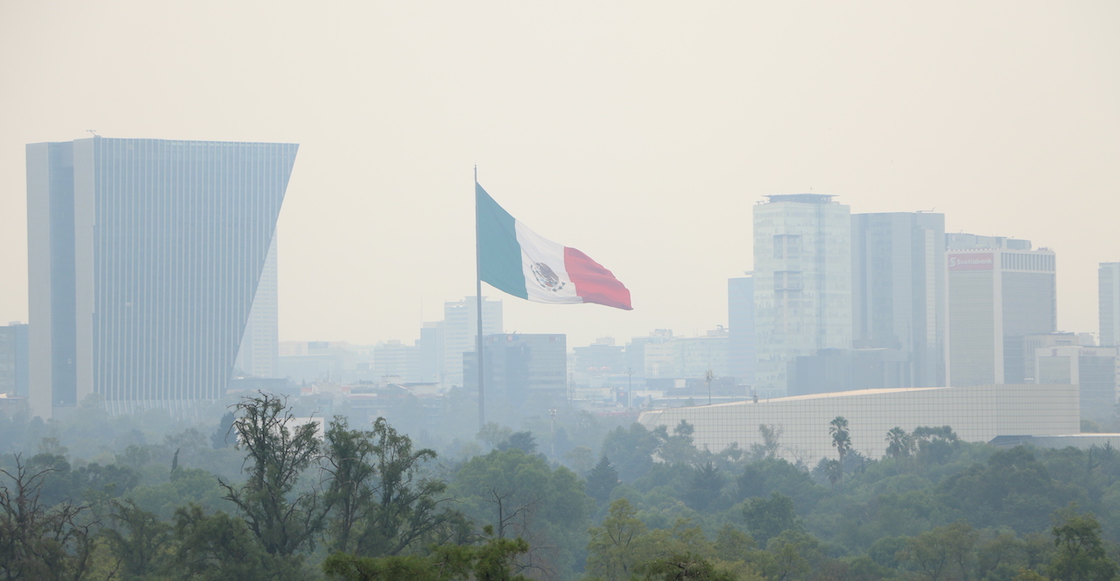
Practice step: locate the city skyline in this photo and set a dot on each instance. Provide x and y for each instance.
(643, 136)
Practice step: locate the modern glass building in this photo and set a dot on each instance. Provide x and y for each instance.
(740, 325)
(802, 283)
(999, 292)
(1108, 277)
(144, 259)
(898, 290)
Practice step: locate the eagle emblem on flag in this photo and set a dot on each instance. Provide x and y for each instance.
(546, 277)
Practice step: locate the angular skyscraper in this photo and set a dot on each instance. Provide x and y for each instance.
(1108, 277)
(144, 258)
(898, 291)
(999, 291)
(802, 283)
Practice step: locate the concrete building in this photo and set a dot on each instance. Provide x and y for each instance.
(741, 354)
(395, 359)
(14, 360)
(524, 373)
(802, 283)
(1092, 369)
(144, 260)
(999, 291)
(1108, 278)
(460, 330)
(975, 413)
(898, 290)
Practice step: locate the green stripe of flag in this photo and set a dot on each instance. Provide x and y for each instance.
(499, 254)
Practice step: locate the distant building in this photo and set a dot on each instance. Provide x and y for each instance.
(1108, 277)
(740, 322)
(832, 370)
(144, 259)
(460, 329)
(523, 373)
(975, 413)
(898, 291)
(395, 359)
(431, 352)
(14, 360)
(802, 283)
(997, 295)
(1092, 369)
(602, 357)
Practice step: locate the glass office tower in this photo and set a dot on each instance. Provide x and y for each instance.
(144, 259)
(802, 283)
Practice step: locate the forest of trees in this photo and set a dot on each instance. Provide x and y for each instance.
(261, 495)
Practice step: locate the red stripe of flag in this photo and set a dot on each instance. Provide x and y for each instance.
(595, 284)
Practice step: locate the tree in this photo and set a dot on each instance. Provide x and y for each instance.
(278, 453)
(841, 439)
(137, 540)
(493, 560)
(601, 480)
(632, 450)
(704, 488)
(218, 547)
(899, 443)
(1080, 553)
(523, 441)
(611, 549)
(379, 503)
(686, 566)
(349, 493)
(940, 552)
(769, 517)
(38, 541)
(770, 435)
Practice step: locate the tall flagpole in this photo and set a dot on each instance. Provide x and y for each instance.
(478, 309)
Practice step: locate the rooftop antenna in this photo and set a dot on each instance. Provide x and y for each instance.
(93, 132)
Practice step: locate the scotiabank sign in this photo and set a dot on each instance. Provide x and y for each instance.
(972, 261)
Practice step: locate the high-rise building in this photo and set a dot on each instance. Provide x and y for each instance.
(1108, 278)
(802, 283)
(999, 292)
(460, 330)
(13, 360)
(144, 259)
(898, 290)
(740, 327)
(260, 344)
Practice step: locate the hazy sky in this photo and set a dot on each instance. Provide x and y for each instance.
(639, 132)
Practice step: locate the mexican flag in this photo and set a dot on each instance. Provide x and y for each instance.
(514, 259)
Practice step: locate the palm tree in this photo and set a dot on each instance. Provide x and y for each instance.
(899, 443)
(841, 440)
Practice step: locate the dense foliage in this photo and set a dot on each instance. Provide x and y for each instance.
(262, 495)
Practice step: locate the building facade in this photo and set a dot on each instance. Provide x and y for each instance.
(259, 353)
(460, 331)
(997, 296)
(741, 354)
(1108, 278)
(144, 259)
(1092, 369)
(802, 283)
(14, 360)
(898, 290)
(975, 413)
